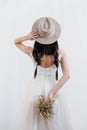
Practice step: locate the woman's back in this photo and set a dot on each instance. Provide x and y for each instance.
(47, 60)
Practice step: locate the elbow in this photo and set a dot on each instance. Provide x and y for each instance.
(67, 76)
(14, 42)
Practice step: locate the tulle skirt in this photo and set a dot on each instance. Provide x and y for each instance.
(29, 120)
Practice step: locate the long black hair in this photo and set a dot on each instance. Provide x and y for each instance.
(47, 49)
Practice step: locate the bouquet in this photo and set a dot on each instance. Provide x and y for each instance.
(43, 107)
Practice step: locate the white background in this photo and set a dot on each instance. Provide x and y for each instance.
(16, 18)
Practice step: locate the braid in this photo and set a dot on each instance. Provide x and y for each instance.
(38, 63)
(35, 72)
(56, 62)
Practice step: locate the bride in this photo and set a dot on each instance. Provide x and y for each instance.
(46, 56)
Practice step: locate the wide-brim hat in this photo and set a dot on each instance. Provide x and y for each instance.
(48, 28)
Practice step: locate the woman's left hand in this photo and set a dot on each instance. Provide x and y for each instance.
(50, 97)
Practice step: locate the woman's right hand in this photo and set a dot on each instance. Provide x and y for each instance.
(33, 35)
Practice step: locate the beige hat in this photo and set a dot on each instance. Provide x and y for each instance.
(49, 30)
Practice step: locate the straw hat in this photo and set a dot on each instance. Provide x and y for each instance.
(48, 28)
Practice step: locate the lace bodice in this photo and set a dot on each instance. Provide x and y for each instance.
(48, 72)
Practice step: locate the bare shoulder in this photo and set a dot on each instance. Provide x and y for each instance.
(61, 52)
(30, 51)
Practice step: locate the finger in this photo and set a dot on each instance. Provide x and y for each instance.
(47, 98)
(36, 34)
(34, 31)
(52, 100)
(36, 37)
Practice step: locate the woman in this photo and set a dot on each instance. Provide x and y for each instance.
(46, 56)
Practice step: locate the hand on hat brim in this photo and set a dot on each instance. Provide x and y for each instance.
(33, 35)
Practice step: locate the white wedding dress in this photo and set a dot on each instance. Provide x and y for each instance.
(29, 119)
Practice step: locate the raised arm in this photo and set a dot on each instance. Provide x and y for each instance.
(63, 79)
(26, 49)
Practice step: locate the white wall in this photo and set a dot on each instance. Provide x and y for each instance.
(16, 18)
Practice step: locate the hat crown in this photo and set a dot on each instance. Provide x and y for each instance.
(46, 28)
(46, 24)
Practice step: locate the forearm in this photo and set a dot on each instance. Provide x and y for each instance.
(20, 39)
(60, 83)
(31, 36)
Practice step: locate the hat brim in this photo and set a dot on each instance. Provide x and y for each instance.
(51, 39)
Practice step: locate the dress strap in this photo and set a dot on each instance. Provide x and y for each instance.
(30, 54)
(34, 63)
(60, 56)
